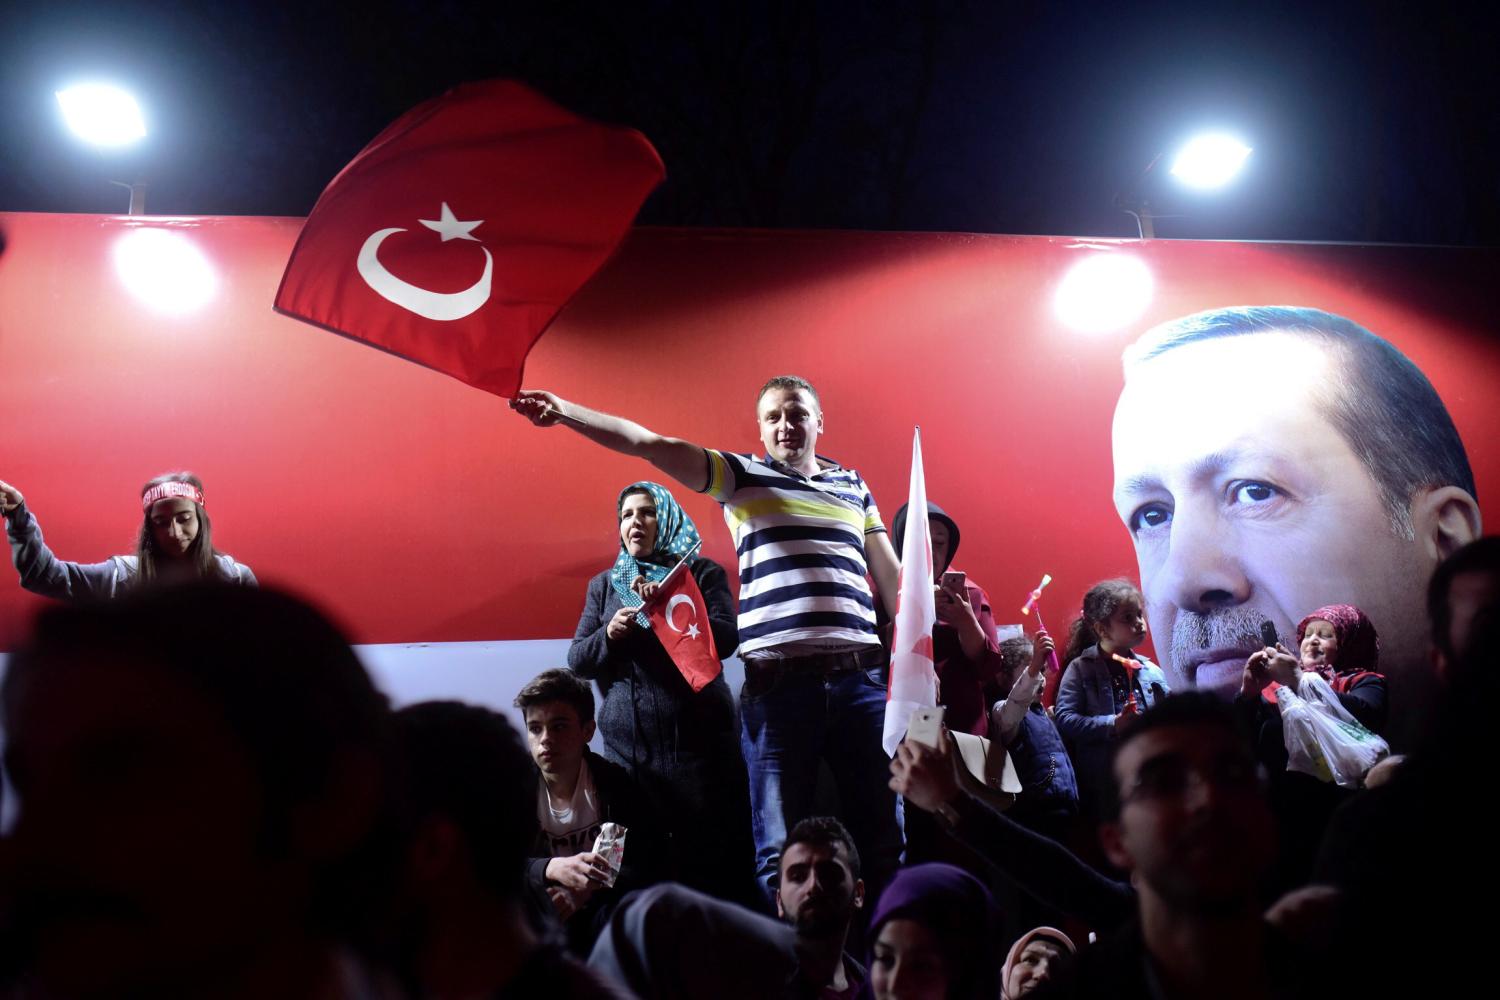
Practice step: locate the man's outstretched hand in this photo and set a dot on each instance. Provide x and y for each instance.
(539, 406)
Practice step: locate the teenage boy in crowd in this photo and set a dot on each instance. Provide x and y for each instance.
(577, 792)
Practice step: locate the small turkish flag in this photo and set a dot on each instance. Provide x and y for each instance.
(679, 617)
(457, 235)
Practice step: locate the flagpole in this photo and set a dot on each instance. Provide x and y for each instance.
(575, 421)
(683, 561)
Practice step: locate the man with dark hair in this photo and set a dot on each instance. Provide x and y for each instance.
(1271, 460)
(673, 943)
(820, 893)
(464, 929)
(575, 793)
(1190, 823)
(807, 532)
(1187, 819)
(1464, 585)
(1427, 810)
(203, 783)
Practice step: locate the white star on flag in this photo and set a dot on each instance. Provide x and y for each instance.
(692, 630)
(451, 228)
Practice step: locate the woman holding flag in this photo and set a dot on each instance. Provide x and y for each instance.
(670, 722)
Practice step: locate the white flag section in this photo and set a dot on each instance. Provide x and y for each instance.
(913, 678)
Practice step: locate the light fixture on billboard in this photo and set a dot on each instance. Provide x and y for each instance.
(106, 118)
(1206, 162)
(165, 271)
(1106, 290)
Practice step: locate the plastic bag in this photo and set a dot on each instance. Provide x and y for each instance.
(610, 845)
(1322, 738)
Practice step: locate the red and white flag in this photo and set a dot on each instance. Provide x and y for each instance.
(913, 681)
(457, 235)
(679, 617)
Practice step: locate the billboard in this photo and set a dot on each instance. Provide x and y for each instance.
(1241, 476)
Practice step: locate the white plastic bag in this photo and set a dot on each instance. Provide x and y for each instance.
(610, 845)
(1322, 738)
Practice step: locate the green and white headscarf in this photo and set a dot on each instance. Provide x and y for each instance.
(676, 536)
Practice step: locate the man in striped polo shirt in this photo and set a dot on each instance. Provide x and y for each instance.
(807, 532)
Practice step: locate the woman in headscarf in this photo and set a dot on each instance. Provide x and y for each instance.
(1339, 643)
(933, 937)
(681, 746)
(1042, 957)
(175, 544)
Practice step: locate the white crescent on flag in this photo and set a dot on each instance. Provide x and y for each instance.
(692, 629)
(443, 306)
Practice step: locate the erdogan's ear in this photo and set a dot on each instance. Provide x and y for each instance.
(1444, 519)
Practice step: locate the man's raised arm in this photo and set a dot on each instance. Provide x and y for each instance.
(682, 460)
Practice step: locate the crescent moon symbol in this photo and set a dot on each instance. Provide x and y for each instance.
(672, 606)
(414, 298)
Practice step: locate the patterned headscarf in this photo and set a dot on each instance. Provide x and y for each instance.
(676, 536)
(1359, 646)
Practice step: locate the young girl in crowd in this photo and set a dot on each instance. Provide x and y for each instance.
(1105, 684)
(175, 544)
(1049, 791)
(933, 935)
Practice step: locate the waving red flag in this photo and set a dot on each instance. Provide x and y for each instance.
(679, 617)
(457, 235)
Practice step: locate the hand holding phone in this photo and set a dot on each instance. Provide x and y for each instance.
(926, 726)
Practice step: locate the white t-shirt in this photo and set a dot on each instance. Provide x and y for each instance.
(574, 829)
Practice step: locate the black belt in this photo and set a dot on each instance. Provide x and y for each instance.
(822, 663)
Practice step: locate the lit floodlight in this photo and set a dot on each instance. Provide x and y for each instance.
(1105, 291)
(1210, 161)
(165, 271)
(102, 115)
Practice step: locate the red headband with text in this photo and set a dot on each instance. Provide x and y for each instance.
(162, 491)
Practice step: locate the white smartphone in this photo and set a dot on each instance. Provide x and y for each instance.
(926, 726)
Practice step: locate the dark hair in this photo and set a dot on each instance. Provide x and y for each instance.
(1479, 556)
(562, 685)
(1103, 599)
(824, 831)
(287, 684)
(792, 383)
(1387, 410)
(468, 765)
(1015, 656)
(200, 553)
(1015, 653)
(1188, 708)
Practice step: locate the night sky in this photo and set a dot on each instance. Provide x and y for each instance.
(1372, 122)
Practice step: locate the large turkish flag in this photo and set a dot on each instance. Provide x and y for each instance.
(460, 231)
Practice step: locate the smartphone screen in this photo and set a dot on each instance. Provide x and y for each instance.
(1268, 633)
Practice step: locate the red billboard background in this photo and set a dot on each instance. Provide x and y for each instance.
(417, 509)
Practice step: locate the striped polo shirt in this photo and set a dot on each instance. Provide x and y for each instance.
(801, 545)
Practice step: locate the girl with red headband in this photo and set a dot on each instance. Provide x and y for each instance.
(175, 544)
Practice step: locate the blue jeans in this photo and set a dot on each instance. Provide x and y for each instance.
(790, 720)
